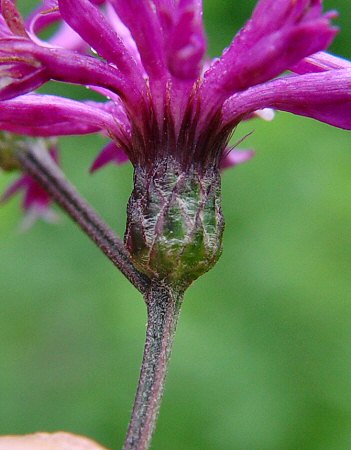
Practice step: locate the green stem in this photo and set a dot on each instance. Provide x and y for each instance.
(163, 307)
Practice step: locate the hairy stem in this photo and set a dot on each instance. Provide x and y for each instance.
(163, 307)
(40, 166)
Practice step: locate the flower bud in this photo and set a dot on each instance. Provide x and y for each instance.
(175, 223)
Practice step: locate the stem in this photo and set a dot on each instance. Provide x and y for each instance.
(163, 307)
(40, 166)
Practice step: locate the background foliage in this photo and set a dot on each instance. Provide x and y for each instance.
(262, 359)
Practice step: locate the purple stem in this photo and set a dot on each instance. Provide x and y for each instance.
(40, 166)
(163, 307)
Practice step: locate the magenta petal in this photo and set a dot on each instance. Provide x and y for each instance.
(320, 62)
(54, 153)
(11, 87)
(67, 38)
(34, 194)
(270, 16)
(88, 21)
(186, 44)
(68, 66)
(71, 67)
(13, 18)
(36, 201)
(110, 153)
(234, 157)
(43, 16)
(184, 36)
(124, 34)
(4, 29)
(46, 14)
(19, 72)
(278, 36)
(48, 115)
(325, 96)
(141, 18)
(36, 198)
(15, 187)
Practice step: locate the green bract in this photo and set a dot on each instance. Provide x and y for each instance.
(175, 223)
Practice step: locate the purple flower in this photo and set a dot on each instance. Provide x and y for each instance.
(36, 202)
(167, 108)
(162, 97)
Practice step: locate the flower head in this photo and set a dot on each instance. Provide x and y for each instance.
(168, 109)
(160, 99)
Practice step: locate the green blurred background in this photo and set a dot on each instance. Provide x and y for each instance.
(262, 359)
